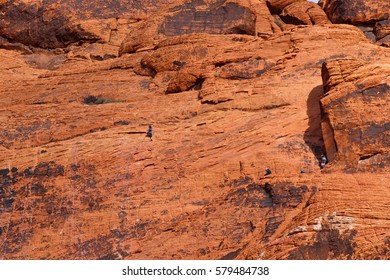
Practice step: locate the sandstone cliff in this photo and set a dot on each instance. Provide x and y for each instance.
(372, 17)
(231, 87)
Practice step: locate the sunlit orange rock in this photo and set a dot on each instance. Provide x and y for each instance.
(80, 179)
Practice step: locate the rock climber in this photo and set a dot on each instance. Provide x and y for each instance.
(323, 161)
(267, 171)
(150, 132)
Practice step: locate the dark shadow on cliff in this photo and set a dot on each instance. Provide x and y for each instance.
(313, 134)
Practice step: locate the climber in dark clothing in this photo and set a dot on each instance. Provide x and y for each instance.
(150, 132)
(267, 172)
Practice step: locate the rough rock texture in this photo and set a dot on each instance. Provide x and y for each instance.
(356, 11)
(298, 12)
(219, 17)
(370, 16)
(276, 6)
(382, 32)
(79, 179)
(57, 23)
(382, 29)
(304, 12)
(355, 107)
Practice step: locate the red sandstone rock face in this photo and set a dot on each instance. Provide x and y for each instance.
(370, 16)
(279, 5)
(354, 92)
(356, 11)
(304, 12)
(219, 17)
(298, 11)
(79, 179)
(382, 32)
(58, 23)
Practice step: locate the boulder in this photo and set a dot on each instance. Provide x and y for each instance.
(356, 11)
(355, 104)
(382, 29)
(303, 12)
(276, 6)
(219, 17)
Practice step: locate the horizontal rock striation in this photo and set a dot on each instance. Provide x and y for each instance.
(355, 109)
(58, 23)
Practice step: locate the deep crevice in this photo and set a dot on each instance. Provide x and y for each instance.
(313, 135)
(292, 20)
(238, 30)
(198, 84)
(215, 102)
(367, 156)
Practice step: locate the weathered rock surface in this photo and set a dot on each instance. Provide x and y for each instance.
(370, 16)
(219, 17)
(382, 29)
(355, 108)
(356, 11)
(79, 179)
(276, 6)
(59, 23)
(303, 12)
(382, 32)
